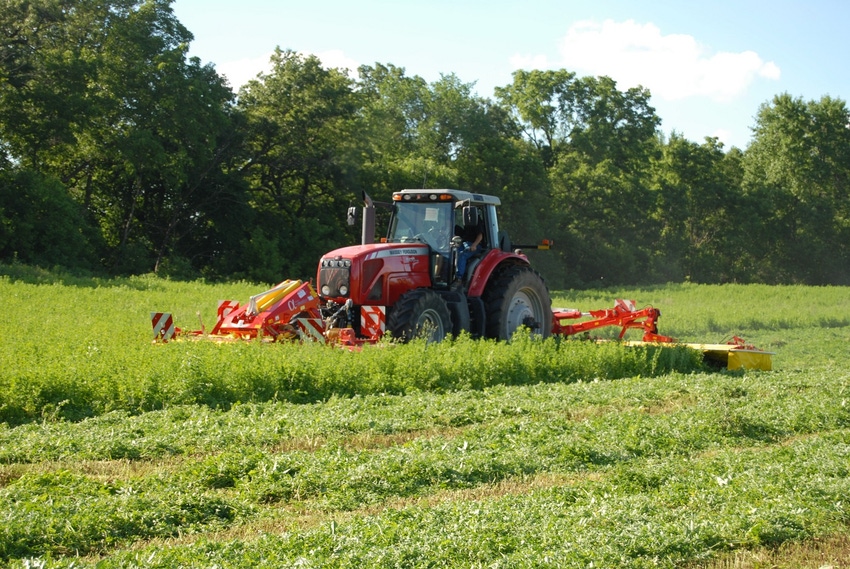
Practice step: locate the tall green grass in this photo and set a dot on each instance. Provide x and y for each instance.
(708, 313)
(115, 452)
(76, 351)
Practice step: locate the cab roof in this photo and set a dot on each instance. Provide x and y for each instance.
(432, 195)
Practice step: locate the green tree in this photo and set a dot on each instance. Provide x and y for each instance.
(798, 170)
(410, 129)
(300, 164)
(597, 144)
(146, 165)
(40, 224)
(442, 134)
(698, 211)
(45, 67)
(614, 125)
(102, 96)
(544, 104)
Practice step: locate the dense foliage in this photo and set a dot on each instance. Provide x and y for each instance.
(121, 155)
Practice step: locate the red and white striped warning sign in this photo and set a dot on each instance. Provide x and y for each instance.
(163, 326)
(311, 329)
(373, 321)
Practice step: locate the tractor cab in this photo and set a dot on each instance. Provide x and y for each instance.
(439, 218)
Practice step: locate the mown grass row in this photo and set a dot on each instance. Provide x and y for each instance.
(198, 430)
(648, 513)
(52, 512)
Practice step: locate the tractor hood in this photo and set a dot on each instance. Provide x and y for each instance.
(372, 274)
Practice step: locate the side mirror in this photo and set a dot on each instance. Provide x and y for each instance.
(352, 216)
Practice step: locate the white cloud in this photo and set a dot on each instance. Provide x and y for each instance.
(240, 71)
(672, 67)
(723, 135)
(336, 59)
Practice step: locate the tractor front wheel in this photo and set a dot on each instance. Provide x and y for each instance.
(517, 297)
(420, 313)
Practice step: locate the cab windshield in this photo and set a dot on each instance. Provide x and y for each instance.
(429, 223)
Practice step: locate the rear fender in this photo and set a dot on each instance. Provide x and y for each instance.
(489, 263)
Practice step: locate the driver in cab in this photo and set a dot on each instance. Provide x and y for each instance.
(471, 236)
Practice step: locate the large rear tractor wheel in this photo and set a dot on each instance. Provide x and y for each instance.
(517, 297)
(420, 313)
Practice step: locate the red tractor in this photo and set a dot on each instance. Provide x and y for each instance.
(407, 283)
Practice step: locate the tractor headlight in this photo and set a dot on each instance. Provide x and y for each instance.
(335, 277)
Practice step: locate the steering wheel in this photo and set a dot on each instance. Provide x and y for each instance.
(438, 237)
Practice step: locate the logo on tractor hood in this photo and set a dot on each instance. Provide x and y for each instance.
(397, 252)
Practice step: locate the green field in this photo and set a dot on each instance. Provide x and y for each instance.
(116, 452)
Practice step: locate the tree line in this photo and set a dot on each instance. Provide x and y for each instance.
(120, 154)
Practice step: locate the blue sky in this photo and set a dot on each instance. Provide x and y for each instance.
(708, 65)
